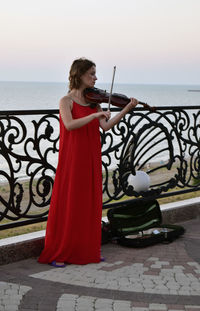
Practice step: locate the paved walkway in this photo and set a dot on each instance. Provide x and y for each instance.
(160, 277)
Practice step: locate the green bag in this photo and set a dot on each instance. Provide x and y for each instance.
(139, 224)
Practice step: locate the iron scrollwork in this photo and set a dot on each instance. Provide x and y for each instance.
(164, 143)
(27, 171)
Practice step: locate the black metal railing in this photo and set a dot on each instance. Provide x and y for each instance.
(165, 144)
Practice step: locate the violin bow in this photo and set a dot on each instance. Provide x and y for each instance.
(111, 88)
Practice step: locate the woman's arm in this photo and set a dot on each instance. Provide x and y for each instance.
(108, 124)
(66, 105)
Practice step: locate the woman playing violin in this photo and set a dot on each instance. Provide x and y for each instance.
(73, 233)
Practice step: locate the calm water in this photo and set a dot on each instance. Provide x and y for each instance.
(35, 95)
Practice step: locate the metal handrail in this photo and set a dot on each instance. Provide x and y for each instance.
(130, 145)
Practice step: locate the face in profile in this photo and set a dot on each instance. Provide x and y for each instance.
(89, 78)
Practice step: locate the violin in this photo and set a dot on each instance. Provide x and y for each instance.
(98, 96)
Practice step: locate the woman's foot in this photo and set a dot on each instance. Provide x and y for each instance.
(58, 264)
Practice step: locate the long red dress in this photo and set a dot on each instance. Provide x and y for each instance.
(73, 233)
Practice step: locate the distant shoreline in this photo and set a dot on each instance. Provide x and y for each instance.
(193, 90)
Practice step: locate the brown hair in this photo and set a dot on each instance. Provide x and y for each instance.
(78, 68)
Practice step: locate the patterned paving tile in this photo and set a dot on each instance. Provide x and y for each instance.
(169, 279)
(11, 295)
(71, 302)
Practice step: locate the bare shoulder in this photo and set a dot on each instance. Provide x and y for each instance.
(66, 101)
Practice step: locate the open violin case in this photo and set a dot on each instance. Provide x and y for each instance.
(139, 224)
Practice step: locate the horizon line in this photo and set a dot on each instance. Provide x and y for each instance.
(117, 83)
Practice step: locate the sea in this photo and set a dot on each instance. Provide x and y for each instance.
(46, 95)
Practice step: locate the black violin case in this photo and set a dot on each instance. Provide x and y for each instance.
(139, 224)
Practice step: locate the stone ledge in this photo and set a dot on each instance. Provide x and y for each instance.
(31, 244)
(180, 211)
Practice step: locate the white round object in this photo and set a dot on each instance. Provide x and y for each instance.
(140, 181)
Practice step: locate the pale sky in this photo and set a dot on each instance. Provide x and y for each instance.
(149, 41)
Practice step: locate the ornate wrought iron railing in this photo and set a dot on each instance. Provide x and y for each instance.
(165, 144)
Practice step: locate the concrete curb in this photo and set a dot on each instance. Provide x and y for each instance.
(30, 245)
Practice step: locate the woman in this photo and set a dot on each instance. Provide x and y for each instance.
(73, 233)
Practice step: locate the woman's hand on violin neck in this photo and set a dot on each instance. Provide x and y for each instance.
(133, 103)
